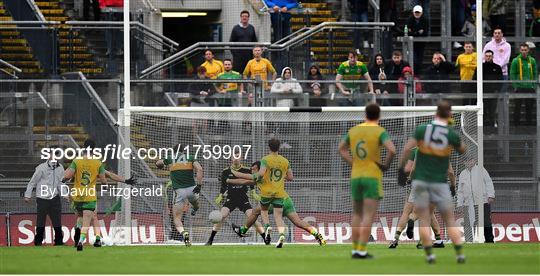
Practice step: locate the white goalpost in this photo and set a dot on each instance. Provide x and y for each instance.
(320, 189)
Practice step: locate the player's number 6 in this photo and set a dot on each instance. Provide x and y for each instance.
(360, 151)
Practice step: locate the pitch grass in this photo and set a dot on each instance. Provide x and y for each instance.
(259, 259)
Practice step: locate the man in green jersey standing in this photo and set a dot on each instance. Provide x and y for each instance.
(435, 143)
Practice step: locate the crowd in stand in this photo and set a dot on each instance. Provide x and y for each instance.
(387, 72)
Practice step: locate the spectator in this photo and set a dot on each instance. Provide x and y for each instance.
(469, 196)
(359, 13)
(418, 26)
(523, 68)
(286, 85)
(440, 69)
(352, 69)
(497, 14)
(393, 69)
(47, 180)
(466, 63)
(230, 89)
(213, 66)
(501, 50)
(407, 75)
(490, 71)
(259, 67)
(200, 90)
(280, 17)
(469, 28)
(315, 89)
(243, 32)
(425, 7)
(377, 72)
(95, 5)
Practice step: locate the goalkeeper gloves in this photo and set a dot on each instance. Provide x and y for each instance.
(131, 181)
(197, 189)
(253, 194)
(453, 190)
(402, 177)
(218, 199)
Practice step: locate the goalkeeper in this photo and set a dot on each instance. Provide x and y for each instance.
(408, 217)
(234, 196)
(288, 210)
(182, 172)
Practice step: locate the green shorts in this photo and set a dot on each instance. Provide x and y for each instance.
(288, 207)
(88, 205)
(363, 187)
(270, 201)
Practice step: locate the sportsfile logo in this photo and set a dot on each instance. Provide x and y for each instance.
(507, 227)
(113, 151)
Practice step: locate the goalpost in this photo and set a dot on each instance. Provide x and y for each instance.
(309, 194)
(310, 140)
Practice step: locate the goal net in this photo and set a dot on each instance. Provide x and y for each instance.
(320, 189)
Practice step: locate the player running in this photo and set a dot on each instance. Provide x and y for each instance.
(86, 170)
(185, 185)
(408, 217)
(435, 143)
(275, 169)
(288, 210)
(365, 141)
(234, 196)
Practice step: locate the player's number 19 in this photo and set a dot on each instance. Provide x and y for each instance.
(275, 175)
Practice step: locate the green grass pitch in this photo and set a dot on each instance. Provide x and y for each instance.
(259, 259)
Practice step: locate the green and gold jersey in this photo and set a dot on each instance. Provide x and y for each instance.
(86, 173)
(435, 144)
(273, 181)
(231, 86)
(365, 143)
(354, 72)
(181, 169)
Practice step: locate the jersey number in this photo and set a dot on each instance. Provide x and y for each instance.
(436, 137)
(360, 151)
(276, 175)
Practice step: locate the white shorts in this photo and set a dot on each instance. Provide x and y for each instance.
(423, 193)
(185, 193)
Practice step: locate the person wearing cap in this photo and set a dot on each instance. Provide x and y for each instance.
(406, 75)
(418, 26)
(47, 180)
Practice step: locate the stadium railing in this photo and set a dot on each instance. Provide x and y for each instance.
(291, 42)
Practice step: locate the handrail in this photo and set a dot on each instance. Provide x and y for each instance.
(11, 66)
(275, 46)
(36, 10)
(99, 103)
(374, 5)
(119, 23)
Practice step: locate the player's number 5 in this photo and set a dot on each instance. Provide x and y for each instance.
(360, 151)
(275, 175)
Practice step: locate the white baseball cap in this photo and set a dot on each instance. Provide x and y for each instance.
(417, 8)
